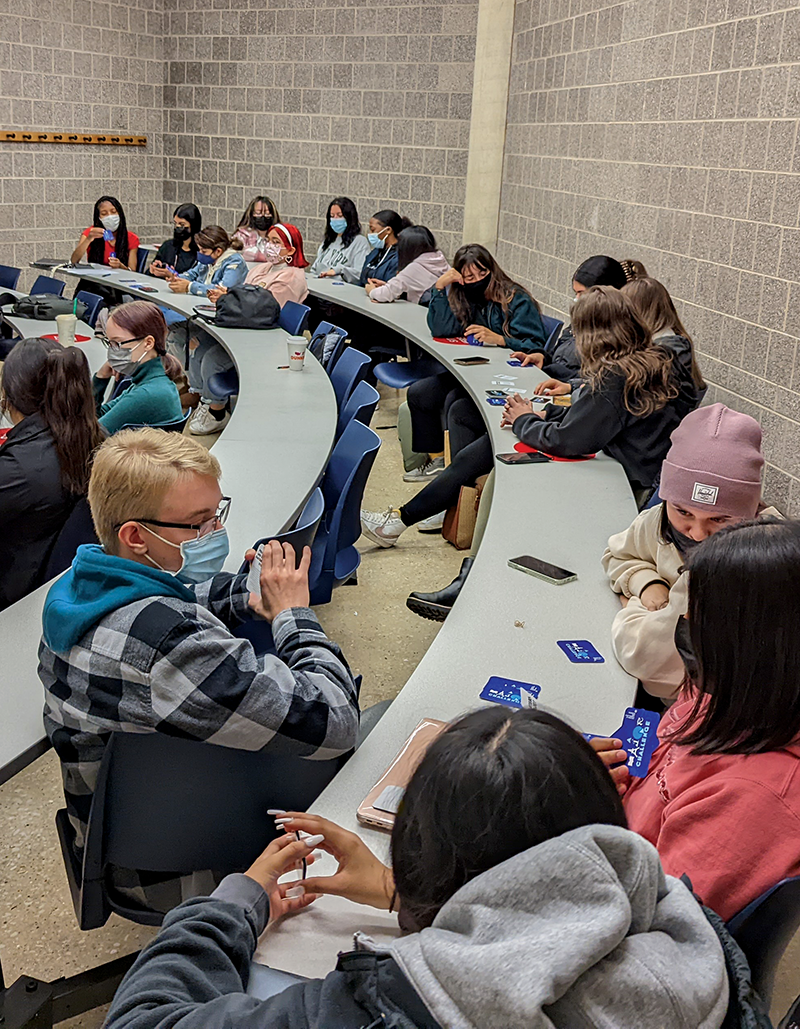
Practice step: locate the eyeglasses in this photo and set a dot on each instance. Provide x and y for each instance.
(115, 342)
(201, 528)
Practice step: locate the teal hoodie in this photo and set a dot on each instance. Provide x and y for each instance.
(96, 584)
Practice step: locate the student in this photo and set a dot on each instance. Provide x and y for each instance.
(487, 865)
(721, 799)
(563, 362)
(381, 262)
(219, 263)
(108, 240)
(136, 337)
(179, 254)
(254, 225)
(46, 393)
(137, 635)
(630, 403)
(343, 248)
(710, 479)
(281, 269)
(419, 264)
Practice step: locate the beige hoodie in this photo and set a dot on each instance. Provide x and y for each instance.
(644, 641)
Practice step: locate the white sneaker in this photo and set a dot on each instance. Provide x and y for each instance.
(382, 527)
(204, 423)
(432, 524)
(428, 471)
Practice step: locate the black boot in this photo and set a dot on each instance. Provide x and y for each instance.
(436, 606)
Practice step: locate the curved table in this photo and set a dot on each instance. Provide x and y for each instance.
(265, 432)
(505, 623)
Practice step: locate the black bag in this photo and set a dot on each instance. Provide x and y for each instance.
(45, 306)
(246, 307)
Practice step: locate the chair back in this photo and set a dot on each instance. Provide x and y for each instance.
(361, 406)
(93, 304)
(77, 530)
(763, 930)
(401, 374)
(46, 284)
(293, 317)
(224, 384)
(177, 425)
(552, 330)
(317, 344)
(302, 535)
(348, 371)
(142, 258)
(9, 277)
(169, 805)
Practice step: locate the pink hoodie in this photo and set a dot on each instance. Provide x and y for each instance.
(730, 822)
(414, 279)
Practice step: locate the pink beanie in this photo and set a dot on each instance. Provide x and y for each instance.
(715, 463)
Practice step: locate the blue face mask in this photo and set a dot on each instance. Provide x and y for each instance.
(375, 241)
(202, 557)
(205, 259)
(338, 225)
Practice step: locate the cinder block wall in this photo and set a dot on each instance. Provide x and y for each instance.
(666, 130)
(307, 101)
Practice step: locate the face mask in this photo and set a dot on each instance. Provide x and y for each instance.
(375, 241)
(203, 558)
(338, 225)
(181, 233)
(110, 222)
(272, 253)
(205, 259)
(683, 543)
(262, 223)
(683, 644)
(121, 360)
(475, 290)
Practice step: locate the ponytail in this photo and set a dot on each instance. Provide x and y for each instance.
(172, 367)
(68, 409)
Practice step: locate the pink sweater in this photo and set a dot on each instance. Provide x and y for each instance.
(414, 279)
(730, 822)
(282, 280)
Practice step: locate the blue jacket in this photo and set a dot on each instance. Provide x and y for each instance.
(379, 265)
(229, 270)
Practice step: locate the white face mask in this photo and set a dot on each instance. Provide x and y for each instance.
(110, 222)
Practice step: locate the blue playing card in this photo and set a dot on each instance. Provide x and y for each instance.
(581, 651)
(495, 401)
(473, 342)
(639, 739)
(515, 363)
(107, 235)
(510, 692)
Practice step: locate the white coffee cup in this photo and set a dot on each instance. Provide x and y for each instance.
(67, 323)
(297, 352)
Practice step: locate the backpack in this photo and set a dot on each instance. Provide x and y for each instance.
(245, 307)
(323, 345)
(45, 306)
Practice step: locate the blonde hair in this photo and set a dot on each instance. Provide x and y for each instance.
(611, 338)
(134, 470)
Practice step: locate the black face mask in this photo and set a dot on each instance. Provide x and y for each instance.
(262, 223)
(181, 233)
(474, 291)
(685, 544)
(683, 644)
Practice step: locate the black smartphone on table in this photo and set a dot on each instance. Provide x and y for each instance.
(516, 458)
(471, 360)
(543, 570)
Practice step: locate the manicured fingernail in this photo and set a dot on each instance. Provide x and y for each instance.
(312, 841)
(275, 811)
(280, 821)
(294, 892)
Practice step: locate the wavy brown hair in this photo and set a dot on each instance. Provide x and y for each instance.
(612, 339)
(657, 310)
(501, 288)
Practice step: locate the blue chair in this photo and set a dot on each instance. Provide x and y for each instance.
(9, 277)
(293, 317)
(317, 344)
(763, 930)
(142, 257)
(177, 425)
(401, 374)
(361, 406)
(552, 328)
(78, 529)
(334, 559)
(346, 374)
(93, 304)
(225, 384)
(45, 284)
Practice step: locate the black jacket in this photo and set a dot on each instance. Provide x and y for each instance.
(563, 362)
(599, 420)
(33, 507)
(181, 260)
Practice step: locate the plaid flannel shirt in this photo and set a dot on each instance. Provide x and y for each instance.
(162, 664)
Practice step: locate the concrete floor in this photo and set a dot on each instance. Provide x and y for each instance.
(382, 640)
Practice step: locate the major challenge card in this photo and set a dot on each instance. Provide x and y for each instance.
(510, 692)
(638, 733)
(581, 651)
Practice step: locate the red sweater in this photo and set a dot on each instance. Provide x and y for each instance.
(730, 822)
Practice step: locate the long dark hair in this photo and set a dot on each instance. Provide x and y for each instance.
(96, 251)
(496, 783)
(392, 220)
(657, 310)
(42, 377)
(412, 243)
(744, 610)
(191, 214)
(600, 271)
(247, 218)
(501, 288)
(349, 213)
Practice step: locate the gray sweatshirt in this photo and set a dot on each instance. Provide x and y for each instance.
(582, 932)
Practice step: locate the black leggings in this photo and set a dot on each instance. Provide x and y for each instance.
(471, 456)
(429, 401)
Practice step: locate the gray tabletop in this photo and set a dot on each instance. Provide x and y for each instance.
(505, 623)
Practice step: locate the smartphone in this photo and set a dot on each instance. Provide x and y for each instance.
(517, 458)
(495, 393)
(542, 569)
(471, 360)
(206, 309)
